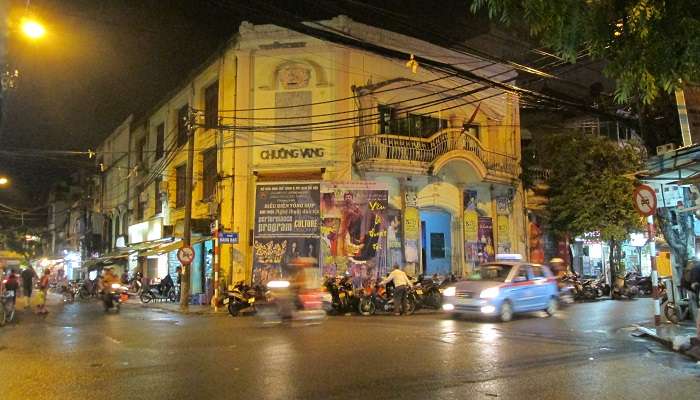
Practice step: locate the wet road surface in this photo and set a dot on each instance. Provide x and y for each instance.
(585, 352)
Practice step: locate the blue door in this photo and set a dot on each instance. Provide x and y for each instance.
(437, 242)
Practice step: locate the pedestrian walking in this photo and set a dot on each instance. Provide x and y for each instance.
(401, 285)
(43, 292)
(28, 275)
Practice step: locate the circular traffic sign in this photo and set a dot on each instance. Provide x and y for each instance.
(185, 255)
(645, 200)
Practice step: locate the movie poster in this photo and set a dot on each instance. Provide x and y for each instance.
(354, 224)
(394, 238)
(286, 233)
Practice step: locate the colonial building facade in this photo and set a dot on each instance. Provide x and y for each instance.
(314, 154)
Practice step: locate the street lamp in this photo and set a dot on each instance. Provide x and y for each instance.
(4, 181)
(32, 29)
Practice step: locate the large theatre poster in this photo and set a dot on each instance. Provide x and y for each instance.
(354, 223)
(286, 233)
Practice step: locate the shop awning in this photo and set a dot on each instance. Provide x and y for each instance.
(160, 247)
(107, 259)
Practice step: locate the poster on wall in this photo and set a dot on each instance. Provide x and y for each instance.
(354, 229)
(483, 250)
(286, 232)
(411, 232)
(394, 238)
(503, 229)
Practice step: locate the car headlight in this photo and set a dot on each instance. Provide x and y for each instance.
(116, 286)
(450, 291)
(489, 293)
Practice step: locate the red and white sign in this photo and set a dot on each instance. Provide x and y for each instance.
(185, 255)
(645, 200)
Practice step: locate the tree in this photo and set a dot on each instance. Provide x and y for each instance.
(588, 187)
(16, 240)
(650, 45)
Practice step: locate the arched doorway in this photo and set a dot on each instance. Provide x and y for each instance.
(436, 237)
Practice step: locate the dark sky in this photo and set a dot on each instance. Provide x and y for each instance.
(100, 61)
(103, 60)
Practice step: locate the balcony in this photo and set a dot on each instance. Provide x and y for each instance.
(393, 153)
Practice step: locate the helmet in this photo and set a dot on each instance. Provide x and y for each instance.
(556, 260)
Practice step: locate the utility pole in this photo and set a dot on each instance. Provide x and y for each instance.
(187, 231)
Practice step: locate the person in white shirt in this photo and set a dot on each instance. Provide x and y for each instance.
(401, 285)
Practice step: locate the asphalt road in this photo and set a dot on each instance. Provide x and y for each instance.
(585, 352)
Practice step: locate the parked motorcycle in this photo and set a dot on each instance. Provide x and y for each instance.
(343, 298)
(113, 297)
(158, 292)
(242, 296)
(135, 284)
(378, 297)
(624, 288)
(427, 292)
(87, 289)
(581, 289)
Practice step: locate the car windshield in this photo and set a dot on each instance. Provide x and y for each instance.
(492, 272)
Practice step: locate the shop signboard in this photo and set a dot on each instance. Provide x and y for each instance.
(355, 220)
(286, 229)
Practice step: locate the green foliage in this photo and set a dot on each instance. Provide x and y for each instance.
(588, 185)
(14, 240)
(650, 45)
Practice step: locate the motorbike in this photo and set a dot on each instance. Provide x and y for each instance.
(87, 289)
(7, 307)
(624, 288)
(343, 298)
(379, 297)
(68, 292)
(581, 289)
(158, 292)
(135, 283)
(642, 282)
(427, 292)
(113, 297)
(285, 304)
(242, 296)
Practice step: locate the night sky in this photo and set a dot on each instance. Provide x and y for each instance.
(103, 60)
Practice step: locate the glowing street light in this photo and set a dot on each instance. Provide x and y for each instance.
(33, 29)
(4, 181)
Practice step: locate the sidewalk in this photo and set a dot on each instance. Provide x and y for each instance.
(680, 337)
(175, 307)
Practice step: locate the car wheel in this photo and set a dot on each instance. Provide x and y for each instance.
(551, 306)
(506, 313)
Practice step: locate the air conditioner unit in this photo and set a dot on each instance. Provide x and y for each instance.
(665, 148)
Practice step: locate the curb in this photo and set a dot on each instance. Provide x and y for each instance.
(693, 352)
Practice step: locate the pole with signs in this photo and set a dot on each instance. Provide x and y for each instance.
(645, 203)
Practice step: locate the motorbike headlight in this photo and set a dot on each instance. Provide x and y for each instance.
(116, 286)
(278, 284)
(450, 291)
(489, 293)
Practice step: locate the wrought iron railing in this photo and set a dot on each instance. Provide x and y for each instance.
(427, 150)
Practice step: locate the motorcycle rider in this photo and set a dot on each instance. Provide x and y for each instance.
(105, 284)
(401, 285)
(558, 267)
